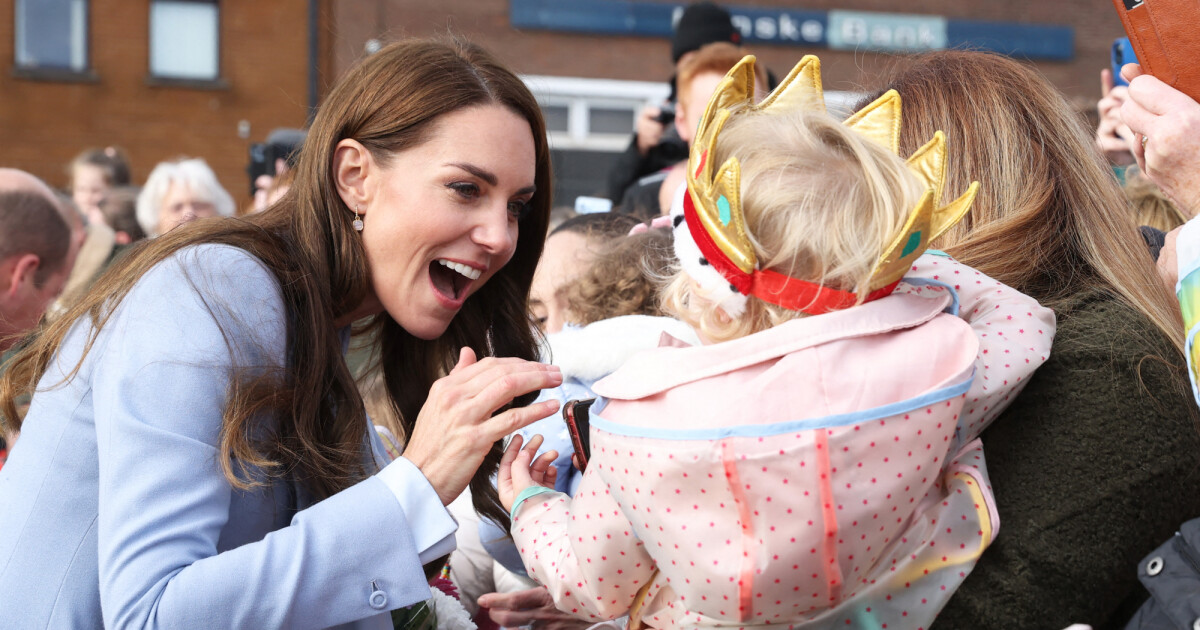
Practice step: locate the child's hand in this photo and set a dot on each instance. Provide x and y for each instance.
(519, 469)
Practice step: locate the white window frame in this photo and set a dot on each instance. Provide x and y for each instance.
(159, 74)
(580, 95)
(80, 57)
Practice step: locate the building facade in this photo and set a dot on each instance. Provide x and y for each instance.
(161, 79)
(168, 78)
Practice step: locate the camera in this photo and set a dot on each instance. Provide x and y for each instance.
(666, 114)
(282, 144)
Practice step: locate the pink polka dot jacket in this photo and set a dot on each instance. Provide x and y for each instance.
(823, 473)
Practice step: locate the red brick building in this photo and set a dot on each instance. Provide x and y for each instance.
(165, 78)
(98, 80)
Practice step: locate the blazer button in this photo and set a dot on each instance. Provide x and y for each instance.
(1155, 566)
(378, 599)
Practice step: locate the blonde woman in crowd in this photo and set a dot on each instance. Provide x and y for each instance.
(1098, 459)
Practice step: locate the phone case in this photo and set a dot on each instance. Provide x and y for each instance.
(575, 413)
(1165, 38)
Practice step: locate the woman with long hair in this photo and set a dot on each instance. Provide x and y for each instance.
(1098, 459)
(196, 453)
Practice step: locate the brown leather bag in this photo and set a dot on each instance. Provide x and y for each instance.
(1166, 37)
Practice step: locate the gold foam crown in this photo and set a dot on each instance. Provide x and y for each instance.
(716, 190)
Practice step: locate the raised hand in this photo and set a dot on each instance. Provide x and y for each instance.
(456, 428)
(1166, 123)
(519, 469)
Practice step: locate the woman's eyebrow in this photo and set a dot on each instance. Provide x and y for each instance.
(486, 176)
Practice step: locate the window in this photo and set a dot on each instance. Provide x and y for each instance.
(52, 35)
(592, 114)
(184, 38)
(611, 120)
(557, 117)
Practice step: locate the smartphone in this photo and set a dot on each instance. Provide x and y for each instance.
(575, 414)
(1122, 53)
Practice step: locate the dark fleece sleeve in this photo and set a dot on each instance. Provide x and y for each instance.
(1094, 465)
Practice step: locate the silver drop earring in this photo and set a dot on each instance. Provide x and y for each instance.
(358, 222)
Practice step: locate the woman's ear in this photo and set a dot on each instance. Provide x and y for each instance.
(352, 169)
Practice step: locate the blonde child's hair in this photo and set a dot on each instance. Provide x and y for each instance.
(821, 204)
(1150, 206)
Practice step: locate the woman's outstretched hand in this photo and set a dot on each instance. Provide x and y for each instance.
(455, 428)
(519, 469)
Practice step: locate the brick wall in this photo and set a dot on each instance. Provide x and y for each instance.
(264, 65)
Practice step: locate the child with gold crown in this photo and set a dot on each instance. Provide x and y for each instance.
(816, 461)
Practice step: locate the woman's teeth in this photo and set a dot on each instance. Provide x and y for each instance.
(469, 272)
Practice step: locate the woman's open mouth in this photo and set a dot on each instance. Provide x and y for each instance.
(451, 279)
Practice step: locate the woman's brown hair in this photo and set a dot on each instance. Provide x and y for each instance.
(388, 103)
(1050, 219)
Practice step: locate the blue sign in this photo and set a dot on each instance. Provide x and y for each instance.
(772, 26)
(852, 30)
(622, 17)
(1018, 40)
(839, 30)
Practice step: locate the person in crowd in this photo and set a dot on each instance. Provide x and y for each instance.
(832, 389)
(622, 279)
(614, 312)
(569, 250)
(1114, 138)
(93, 244)
(92, 174)
(655, 144)
(1165, 123)
(281, 148)
(180, 191)
(699, 73)
(120, 213)
(1097, 460)
(196, 453)
(1112, 134)
(36, 254)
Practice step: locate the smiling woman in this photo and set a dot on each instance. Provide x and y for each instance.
(194, 413)
(472, 180)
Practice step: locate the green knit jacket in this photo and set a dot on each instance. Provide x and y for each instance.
(1092, 468)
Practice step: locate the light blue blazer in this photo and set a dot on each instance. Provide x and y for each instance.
(114, 511)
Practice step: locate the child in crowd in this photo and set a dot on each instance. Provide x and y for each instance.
(815, 461)
(569, 251)
(92, 174)
(612, 312)
(119, 208)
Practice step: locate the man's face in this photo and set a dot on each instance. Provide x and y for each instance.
(692, 104)
(23, 305)
(694, 99)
